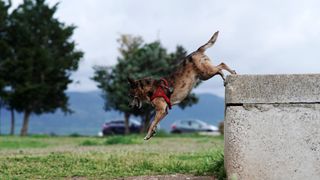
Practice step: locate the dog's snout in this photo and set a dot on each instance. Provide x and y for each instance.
(134, 103)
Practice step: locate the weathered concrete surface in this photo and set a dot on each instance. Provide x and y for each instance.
(273, 88)
(273, 139)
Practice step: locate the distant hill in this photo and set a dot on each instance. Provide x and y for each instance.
(89, 115)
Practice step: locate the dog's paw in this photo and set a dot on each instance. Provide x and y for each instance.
(146, 138)
(224, 83)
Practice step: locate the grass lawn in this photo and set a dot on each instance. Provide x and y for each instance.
(42, 157)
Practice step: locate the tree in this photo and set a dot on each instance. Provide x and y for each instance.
(113, 80)
(44, 56)
(5, 48)
(137, 60)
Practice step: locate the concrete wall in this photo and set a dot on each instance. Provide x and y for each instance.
(272, 127)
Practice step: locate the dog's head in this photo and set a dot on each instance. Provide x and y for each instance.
(137, 92)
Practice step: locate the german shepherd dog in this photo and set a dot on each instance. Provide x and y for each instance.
(196, 66)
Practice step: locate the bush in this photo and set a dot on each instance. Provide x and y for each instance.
(75, 135)
(218, 167)
(89, 143)
(123, 140)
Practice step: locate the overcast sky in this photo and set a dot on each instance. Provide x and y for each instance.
(256, 37)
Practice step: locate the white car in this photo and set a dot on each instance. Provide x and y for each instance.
(188, 126)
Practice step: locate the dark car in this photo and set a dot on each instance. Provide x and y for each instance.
(189, 126)
(118, 127)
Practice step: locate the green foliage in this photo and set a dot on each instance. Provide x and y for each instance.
(5, 49)
(41, 57)
(44, 57)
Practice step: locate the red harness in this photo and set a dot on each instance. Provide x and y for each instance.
(161, 92)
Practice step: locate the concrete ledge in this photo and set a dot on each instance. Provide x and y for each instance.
(272, 127)
(303, 88)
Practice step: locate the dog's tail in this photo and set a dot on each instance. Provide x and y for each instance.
(209, 43)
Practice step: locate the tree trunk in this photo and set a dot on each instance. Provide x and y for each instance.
(145, 123)
(0, 116)
(12, 122)
(126, 123)
(25, 125)
(143, 120)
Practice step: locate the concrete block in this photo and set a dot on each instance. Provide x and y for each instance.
(272, 127)
(273, 88)
(273, 141)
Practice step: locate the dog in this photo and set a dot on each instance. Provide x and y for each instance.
(171, 90)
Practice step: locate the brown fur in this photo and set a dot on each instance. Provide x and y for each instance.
(196, 66)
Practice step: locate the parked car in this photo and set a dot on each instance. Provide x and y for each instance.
(189, 126)
(117, 127)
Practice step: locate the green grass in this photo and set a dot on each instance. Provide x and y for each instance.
(123, 140)
(113, 140)
(89, 143)
(16, 143)
(107, 158)
(217, 166)
(101, 165)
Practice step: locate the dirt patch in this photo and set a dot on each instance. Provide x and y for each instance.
(169, 177)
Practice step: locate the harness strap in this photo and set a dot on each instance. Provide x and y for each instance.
(160, 92)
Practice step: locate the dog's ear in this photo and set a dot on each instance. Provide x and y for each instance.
(131, 81)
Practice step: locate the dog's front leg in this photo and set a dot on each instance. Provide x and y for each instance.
(160, 105)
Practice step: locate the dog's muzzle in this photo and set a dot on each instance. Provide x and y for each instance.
(135, 103)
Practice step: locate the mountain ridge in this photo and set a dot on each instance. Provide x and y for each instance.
(89, 115)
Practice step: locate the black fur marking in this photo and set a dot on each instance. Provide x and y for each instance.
(140, 84)
(133, 85)
(189, 59)
(184, 63)
(149, 94)
(183, 85)
(148, 81)
(143, 82)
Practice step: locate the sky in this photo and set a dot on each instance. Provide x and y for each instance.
(256, 37)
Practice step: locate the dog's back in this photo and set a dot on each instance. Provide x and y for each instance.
(190, 71)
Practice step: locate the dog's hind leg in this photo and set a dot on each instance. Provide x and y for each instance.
(226, 67)
(222, 76)
(207, 70)
(160, 105)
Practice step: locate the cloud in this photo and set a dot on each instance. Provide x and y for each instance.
(255, 37)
